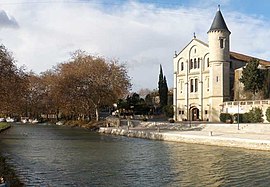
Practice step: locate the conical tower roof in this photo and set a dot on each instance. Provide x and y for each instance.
(219, 23)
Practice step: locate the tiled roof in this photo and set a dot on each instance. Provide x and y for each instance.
(246, 58)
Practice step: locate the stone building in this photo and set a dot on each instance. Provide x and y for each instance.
(204, 74)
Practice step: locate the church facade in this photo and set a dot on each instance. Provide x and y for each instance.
(204, 74)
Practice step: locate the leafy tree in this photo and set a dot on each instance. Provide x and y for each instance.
(162, 89)
(86, 83)
(133, 105)
(13, 84)
(252, 77)
(266, 84)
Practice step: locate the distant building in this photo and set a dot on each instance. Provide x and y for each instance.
(205, 74)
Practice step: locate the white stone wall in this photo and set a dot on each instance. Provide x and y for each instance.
(233, 107)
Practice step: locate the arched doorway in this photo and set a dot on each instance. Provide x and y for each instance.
(195, 114)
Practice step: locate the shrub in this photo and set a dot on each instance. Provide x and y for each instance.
(168, 111)
(267, 114)
(225, 117)
(245, 118)
(254, 115)
(241, 118)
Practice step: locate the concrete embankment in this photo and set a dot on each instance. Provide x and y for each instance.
(228, 137)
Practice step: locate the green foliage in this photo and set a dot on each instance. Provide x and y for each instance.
(252, 77)
(168, 111)
(246, 117)
(133, 105)
(241, 118)
(253, 116)
(266, 84)
(4, 125)
(267, 114)
(162, 89)
(225, 117)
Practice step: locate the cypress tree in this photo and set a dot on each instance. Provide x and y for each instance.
(165, 92)
(162, 89)
(160, 81)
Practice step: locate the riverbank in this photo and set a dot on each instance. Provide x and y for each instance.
(91, 125)
(6, 171)
(4, 126)
(248, 136)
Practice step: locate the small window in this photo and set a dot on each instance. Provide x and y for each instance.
(195, 63)
(181, 112)
(191, 64)
(182, 66)
(206, 112)
(198, 62)
(221, 43)
(207, 62)
(217, 78)
(194, 50)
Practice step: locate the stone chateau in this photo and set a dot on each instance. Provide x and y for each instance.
(205, 75)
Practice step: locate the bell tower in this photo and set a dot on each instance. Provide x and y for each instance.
(219, 61)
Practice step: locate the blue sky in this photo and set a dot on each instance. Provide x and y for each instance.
(143, 34)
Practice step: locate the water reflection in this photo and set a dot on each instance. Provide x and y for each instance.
(199, 165)
(59, 156)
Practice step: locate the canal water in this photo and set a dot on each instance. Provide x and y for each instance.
(46, 155)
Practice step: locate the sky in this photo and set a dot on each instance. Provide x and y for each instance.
(143, 34)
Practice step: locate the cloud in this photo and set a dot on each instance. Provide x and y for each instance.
(142, 35)
(6, 21)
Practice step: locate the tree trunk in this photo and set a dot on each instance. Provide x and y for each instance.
(97, 114)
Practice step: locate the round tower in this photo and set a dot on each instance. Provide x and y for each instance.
(219, 39)
(219, 61)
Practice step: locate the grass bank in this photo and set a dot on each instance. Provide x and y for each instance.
(4, 126)
(6, 170)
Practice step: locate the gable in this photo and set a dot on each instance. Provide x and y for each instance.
(194, 42)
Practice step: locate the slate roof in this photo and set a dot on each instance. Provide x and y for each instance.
(219, 23)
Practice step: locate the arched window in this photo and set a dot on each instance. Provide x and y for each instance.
(221, 43)
(196, 85)
(195, 63)
(182, 66)
(191, 64)
(198, 62)
(207, 62)
(191, 85)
